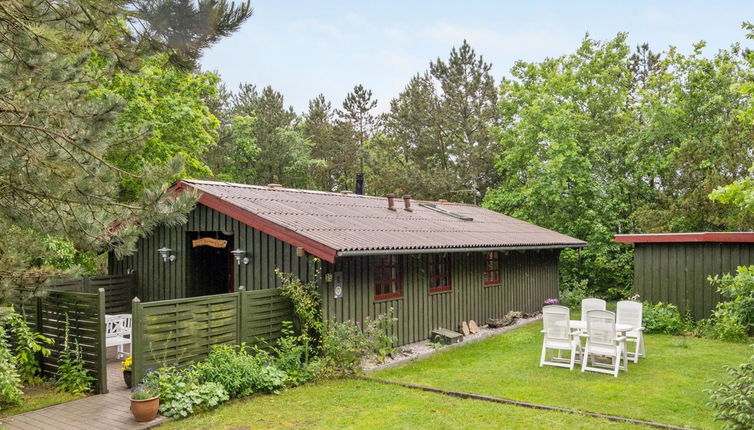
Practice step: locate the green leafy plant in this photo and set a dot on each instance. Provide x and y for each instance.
(733, 399)
(307, 307)
(181, 392)
(240, 373)
(662, 318)
(10, 381)
(290, 352)
(29, 345)
(72, 376)
(346, 344)
(378, 340)
(733, 318)
(144, 391)
(573, 296)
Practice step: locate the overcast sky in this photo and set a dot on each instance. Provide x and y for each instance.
(303, 48)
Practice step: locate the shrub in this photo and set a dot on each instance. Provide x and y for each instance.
(238, 372)
(378, 341)
(573, 296)
(733, 400)
(29, 345)
(307, 307)
(662, 318)
(10, 382)
(290, 352)
(345, 344)
(72, 377)
(181, 394)
(733, 318)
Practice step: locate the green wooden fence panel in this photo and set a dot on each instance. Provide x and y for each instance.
(183, 331)
(262, 315)
(86, 315)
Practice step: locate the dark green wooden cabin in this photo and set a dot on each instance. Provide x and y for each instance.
(436, 264)
(674, 267)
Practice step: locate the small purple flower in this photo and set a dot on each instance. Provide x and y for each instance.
(551, 301)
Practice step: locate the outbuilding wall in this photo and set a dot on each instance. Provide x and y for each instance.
(528, 278)
(677, 272)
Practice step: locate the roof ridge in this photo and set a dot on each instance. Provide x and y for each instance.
(303, 190)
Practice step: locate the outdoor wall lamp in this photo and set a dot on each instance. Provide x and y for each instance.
(166, 255)
(240, 255)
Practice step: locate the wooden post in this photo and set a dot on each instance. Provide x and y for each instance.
(85, 284)
(137, 341)
(240, 314)
(102, 348)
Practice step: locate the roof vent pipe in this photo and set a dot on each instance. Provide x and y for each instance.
(407, 203)
(274, 186)
(360, 183)
(390, 201)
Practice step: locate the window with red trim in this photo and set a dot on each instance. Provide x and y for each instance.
(492, 268)
(439, 273)
(387, 277)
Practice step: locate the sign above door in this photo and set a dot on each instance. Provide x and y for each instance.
(208, 241)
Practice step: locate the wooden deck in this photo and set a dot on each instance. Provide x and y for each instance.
(98, 412)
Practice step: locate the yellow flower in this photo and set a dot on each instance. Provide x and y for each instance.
(127, 364)
(315, 259)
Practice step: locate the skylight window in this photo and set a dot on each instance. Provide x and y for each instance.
(446, 211)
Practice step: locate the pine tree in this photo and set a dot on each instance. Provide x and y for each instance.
(356, 111)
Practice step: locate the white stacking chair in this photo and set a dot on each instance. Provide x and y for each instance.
(592, 304)
(602, 340)
(118, 332)
(558, 336)
(630, 313)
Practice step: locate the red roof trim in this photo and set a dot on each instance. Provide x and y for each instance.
(255, 221)
(685, 237)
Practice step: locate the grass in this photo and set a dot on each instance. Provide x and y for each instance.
(668, 386)
(357, 404)
(36, 397)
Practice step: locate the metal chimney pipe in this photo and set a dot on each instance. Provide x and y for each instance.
(407, 203)
(360, 183)
(390, 201)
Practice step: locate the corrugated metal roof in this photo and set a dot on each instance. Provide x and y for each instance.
(350, 222)
(705, 236)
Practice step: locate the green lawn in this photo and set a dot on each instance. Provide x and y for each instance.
(37, 397)
(350, 403)
(668, 386)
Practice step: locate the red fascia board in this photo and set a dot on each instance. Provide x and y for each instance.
(735, 237)
(255, 221)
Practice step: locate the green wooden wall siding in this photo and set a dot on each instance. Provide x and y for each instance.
(677, 272)
(157, 280)
(527, 280)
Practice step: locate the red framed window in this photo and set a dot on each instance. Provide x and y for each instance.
(492, 268)
(387, 277)
(439, 273)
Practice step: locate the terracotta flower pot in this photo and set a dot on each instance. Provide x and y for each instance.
(145, 410)
(127, 378)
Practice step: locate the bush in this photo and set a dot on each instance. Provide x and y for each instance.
(181, 394)
(573, 296)
(238, 372)
(662, 318)
(733, 318)
(29, 346)
(345, 344)
(733, 400)
(290, 353)
(10, 382)
(72, 377)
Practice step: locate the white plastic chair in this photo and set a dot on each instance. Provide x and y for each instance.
(558, 336)
(630, 313)
(591, 304)
(602, 340)
(118, 332)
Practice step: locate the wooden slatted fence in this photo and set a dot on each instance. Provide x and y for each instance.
(183, 331)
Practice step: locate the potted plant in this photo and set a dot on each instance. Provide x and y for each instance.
(145, 402)
(126, 367)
